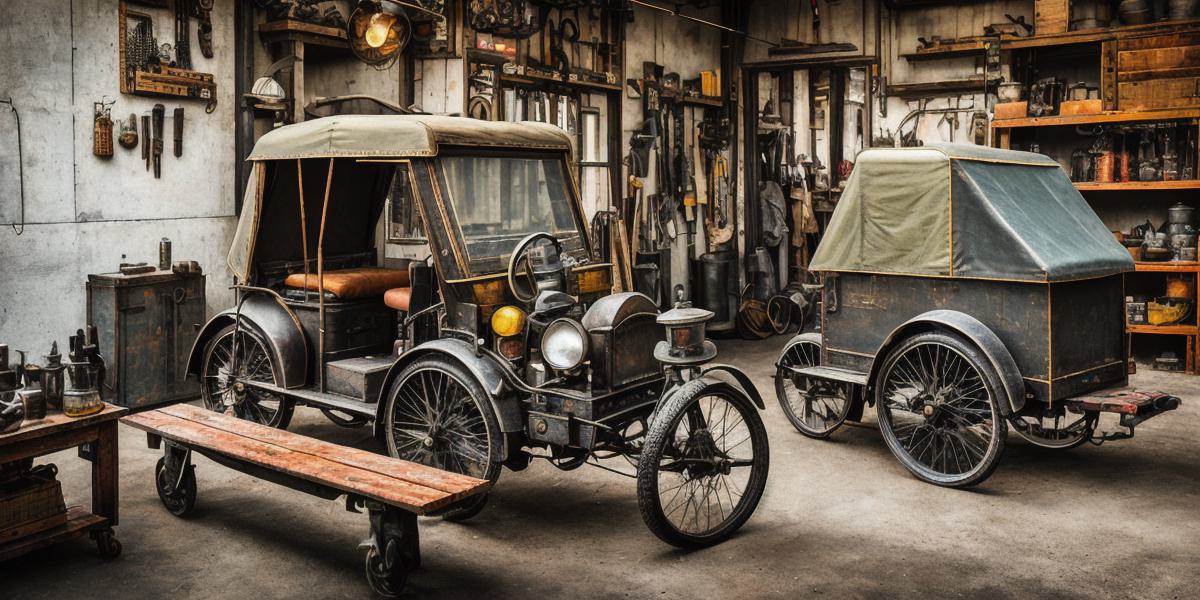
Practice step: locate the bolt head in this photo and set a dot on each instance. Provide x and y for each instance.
(928, 410)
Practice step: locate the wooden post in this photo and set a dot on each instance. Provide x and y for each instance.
(104, 473)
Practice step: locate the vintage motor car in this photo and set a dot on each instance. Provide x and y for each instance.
(965, 291)
(505, 345)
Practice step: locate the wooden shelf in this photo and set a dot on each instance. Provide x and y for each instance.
(1105, 117)
(1095, 186)
(703, 101)
(79, 521)
(528, 79)
(973, 47)
(1167, 266)
(934, 88)
(1162, 329)
(308, 33)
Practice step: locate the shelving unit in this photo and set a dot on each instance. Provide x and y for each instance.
(1124, 58)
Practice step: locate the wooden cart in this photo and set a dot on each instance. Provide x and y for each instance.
(96, 438)
(393, 492)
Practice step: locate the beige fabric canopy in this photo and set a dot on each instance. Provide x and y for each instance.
(401, 136)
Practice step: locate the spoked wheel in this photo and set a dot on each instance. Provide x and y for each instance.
(1055, 432)
(937, 398)
(344, 419)
(224, 376)
(178, 496)
(438, 415)
(703, 467)
(815, 407)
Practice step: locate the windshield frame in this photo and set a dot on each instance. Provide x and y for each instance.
(578, 247)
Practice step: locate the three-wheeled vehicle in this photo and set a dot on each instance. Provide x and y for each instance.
(965, 290)
(507, 344)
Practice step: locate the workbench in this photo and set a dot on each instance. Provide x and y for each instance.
(96, 437)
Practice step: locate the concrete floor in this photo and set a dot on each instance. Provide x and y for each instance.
(840, 518)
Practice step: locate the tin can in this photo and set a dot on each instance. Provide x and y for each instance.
(164, 255)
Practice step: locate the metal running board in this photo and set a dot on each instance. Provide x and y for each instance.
(312, 398)
(834, 374)
(1126, 402)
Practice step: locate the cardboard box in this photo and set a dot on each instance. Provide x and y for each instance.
(1012, 110)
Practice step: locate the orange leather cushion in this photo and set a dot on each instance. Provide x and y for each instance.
(348, 284)
(398, 298)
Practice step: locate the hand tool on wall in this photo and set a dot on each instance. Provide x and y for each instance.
(203, 13)
(159, 114)
(146, 134)
(177, 122)
(183, 44)
(129, 135)
(102, 129)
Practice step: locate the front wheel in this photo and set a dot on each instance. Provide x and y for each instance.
(438, 415)
(233, 357)
(939, 412)
(704, 465)
(815, 407)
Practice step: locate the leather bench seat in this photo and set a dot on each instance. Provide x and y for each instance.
(350, 284)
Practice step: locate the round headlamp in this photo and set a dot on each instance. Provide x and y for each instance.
(508, 321)
(564, 344)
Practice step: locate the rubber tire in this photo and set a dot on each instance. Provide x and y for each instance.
(188, 492)
(108, 545)
(980, 362)
(781, 395)
(1033, 441)
(666, 415)
(388, 586)
(473, 506)
(286, 406)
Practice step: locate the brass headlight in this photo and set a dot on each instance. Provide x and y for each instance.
(564, 344)
(508, 321)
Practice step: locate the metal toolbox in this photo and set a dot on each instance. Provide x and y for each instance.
(147, 323)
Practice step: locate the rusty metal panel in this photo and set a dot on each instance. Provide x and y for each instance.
(1087, 333)
(869, 307)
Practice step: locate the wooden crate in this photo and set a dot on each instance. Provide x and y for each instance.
(1012, 110)
(29, 505)
(1158, 72)
(1081, 107)
(1051, 16)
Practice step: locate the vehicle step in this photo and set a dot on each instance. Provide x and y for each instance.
(1126, 401)
(360, 377)
(835, 374)
(319, 400)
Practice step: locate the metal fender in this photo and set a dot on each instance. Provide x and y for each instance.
(270, 319)
(487, 372)
(810, 336)
(975, 332)
(741, 380)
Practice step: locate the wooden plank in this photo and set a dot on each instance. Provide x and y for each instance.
(1185, 184)
(1051, 16)
(78, 522)
(58, 422)
(1152, 74)
(1158, 58)
(292, 25)
(1158, 94)
(412, 497)
(935, 88)
(1185, 36)
(1108, 74)
(28, 528)
(1122, 116)
(417, 474)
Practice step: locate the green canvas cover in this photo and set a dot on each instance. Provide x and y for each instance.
(966, 211)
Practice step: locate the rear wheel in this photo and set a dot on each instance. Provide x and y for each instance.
(438, 415)
(937, 398)
(233, 357)
(1054, 432)
(704, 465)
(815, 407)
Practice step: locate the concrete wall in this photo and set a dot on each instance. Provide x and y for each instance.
(84, 213)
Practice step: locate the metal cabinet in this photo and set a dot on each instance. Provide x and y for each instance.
(147, 323)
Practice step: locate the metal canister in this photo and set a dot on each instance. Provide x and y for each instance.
(164, 255)
(52, 378)
(33, 397)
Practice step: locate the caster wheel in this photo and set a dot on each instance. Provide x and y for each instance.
(108, 545)
(386, 573)
(181, 500)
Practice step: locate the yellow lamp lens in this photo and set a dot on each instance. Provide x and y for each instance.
(377, 30)
(508, 321)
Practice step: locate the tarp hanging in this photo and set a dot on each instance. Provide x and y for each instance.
(966, 211)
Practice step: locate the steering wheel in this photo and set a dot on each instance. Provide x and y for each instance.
(522, 279)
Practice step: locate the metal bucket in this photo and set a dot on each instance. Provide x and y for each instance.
(713, 294)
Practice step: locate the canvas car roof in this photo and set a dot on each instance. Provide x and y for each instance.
(401, 136)
(966, 211)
